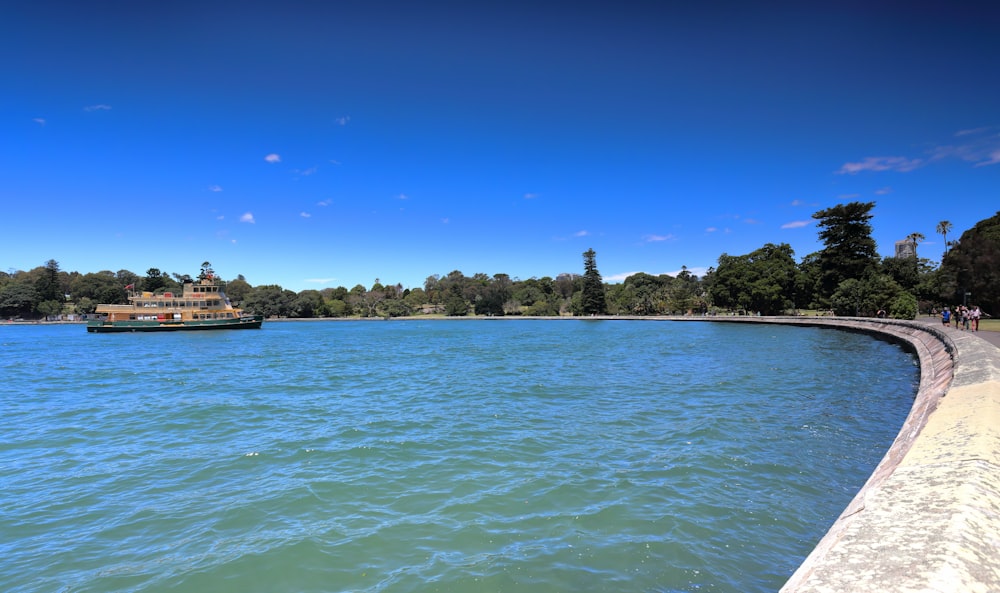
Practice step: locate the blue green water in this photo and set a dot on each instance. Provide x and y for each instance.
(488, 455)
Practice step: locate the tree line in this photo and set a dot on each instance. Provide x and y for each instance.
(846, 277)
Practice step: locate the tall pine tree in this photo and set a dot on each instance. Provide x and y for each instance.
(594, 302)
(849, 250)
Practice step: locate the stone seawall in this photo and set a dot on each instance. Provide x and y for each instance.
(928, 518)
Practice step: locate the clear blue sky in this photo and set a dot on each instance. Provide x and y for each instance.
(316, 144)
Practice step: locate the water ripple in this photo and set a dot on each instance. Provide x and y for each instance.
(423, 456)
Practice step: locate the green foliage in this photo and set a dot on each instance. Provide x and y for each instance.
(85, 306)
(593, 301)
(865, 297)
(456, 306)
(269, 300)
(973, 266)
(763, 281)
(849, 250)
(155, 280)
(18, 299)
(49, 308)
(904, 306)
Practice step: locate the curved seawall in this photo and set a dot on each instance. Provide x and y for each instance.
(928, 518)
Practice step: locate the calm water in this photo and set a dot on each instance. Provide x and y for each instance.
(434, 455)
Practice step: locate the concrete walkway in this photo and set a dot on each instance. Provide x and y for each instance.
(993, 337)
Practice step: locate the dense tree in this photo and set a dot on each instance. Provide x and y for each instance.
(971, 269)
(155, 280)
(237, 289)
(593, 298)
(48, 286)
(269, 300)
(849, 250)
(18, 299)
(866, 296)
(763, 281)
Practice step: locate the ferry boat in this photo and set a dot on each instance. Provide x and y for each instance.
(202, 306)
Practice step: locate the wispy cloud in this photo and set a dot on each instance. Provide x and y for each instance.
(248, 217)
(306, 172)
(711, 229)
(883, 191)
(581, 234)
(992, 159)
(273, 158)
(848, 196)
(342, 121)
(98, 107)
(402, 197)
(795, 224)
(980, 146)
(320, 280)
(658, 238)
(445, 220)
(530, 196)
(215, 188)
(39, 120)
(325, 202)
(304, 214)
(882, 163)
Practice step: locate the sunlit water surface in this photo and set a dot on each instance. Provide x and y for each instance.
(441, 455)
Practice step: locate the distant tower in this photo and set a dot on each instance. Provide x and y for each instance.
(905, 248)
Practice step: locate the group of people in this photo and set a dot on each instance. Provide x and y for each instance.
(965, 318)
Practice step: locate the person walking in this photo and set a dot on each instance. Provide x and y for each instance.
(945, 317)
(975, 314)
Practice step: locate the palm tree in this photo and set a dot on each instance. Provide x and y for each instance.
(915, 238)
(942, 228)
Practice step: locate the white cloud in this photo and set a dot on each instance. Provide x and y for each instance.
(98, 107)
(795, 224)
(402, 197)
(304, 214)
(971, 132)
(320, 280)
(215, 188)
(445, 220)
(39, 120)
(530, 196)
(711, 229)
(658, 238)
(882, 163)
(273, 158)
(992, 159)
(306, 172)
(580, 234)
(325, 202)
(342, 121)
(620, 277)
(248, 217)
(848, 196)
(883, 191)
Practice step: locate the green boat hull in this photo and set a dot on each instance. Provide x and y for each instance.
(101, 326)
